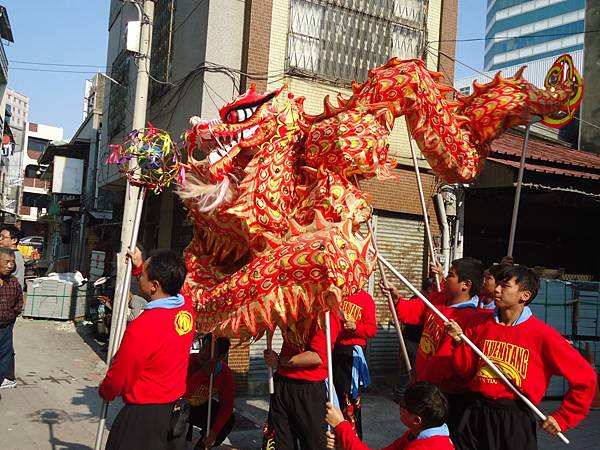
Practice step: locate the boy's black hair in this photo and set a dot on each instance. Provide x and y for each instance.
(470, 269)
(222, 344)
(15, 233)
(495, 270)
(426, 401)
(168, 268)
(525, 278)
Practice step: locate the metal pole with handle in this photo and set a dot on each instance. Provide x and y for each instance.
(423, 206)
(121, 313)
(515, 212)
(468, 342)
(330, 392)
(269, 368)
(210, 386)
(132, 209)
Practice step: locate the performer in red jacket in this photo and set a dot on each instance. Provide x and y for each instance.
(529, 353)
(348, 354)
(423, 410)
(459, 300)
(149, 370)
(296, 411)
(200, 368)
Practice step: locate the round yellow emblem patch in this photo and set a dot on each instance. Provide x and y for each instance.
(184, 322)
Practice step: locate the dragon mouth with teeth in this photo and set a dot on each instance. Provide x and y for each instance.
(233, 138)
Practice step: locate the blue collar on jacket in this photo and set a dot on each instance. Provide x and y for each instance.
(173, 302)
(435, 431)
(526, 314)
(471, 303)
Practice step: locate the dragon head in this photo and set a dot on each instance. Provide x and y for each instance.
(230, 141)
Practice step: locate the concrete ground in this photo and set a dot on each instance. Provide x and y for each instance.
(56, 404)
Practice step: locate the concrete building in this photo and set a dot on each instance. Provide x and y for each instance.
(589, 135)
(203, 56)
(5, 35)
(8, 142)
(519, 31)
(34, 199)
(77, 211)
(19, 108)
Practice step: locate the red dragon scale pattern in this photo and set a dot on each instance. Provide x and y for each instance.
(274, 203)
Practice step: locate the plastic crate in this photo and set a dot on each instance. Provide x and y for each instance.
(54, 299)
(554, 305)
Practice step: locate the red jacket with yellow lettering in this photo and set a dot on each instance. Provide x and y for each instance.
(359, 308)
(529, 354)
(434, 361)
(152, 361)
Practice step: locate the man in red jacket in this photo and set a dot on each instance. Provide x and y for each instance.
(348, 354)
(149, 370)
(198, 383)
(459, 300)
(423, 410)
(529, 353)
(296, 410)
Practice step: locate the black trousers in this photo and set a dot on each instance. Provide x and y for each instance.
(496, 425)
(457, 406)
(144, 427)
(198, 416)
(343, 360)
(297, 414)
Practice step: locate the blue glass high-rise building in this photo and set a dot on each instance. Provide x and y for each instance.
(518, 31)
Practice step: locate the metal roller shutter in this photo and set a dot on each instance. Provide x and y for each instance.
(401, 240)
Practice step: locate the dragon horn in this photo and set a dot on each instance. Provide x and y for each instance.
(519, 74)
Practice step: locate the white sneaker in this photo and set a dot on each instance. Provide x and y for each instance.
(8, 384)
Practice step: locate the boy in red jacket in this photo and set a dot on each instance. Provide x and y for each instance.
(348, 355)
(458, 300)
(201, 365)
(529, 353)
(423, 410)
(149, 370)
(296, 412)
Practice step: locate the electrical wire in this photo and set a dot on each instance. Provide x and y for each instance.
(517, 37)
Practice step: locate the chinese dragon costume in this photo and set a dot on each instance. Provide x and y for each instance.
(274, 198)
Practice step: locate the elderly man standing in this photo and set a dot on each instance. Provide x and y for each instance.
(11, 305)
(9, 238)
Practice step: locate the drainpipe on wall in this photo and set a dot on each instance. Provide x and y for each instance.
(443, 221)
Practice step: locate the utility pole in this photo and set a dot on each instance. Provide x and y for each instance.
(134, 196)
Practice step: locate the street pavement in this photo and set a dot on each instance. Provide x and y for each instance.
(56, 404)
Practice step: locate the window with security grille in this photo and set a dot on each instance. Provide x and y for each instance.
(342, 39)
(119, 94)
(465, 91)
(162, 46)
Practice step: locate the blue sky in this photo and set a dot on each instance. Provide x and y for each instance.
(471, 25)
(58, 32)
(75, 32)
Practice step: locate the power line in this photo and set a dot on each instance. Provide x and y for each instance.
(30, 69)
(37, 63)
(506, 38)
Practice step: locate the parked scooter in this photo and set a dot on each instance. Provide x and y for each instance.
(101, 308)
